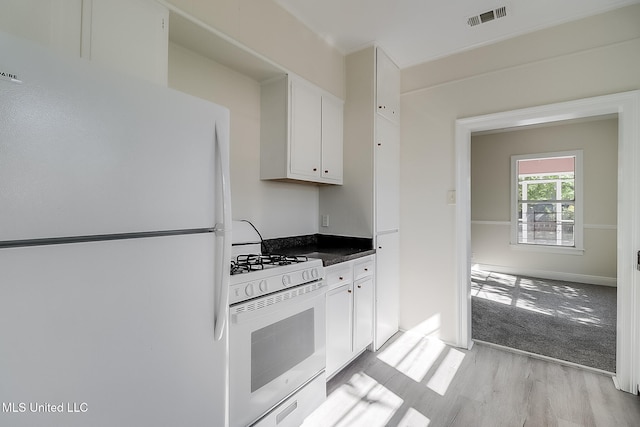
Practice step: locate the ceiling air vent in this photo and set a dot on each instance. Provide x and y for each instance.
(473, 21)
(487, 16)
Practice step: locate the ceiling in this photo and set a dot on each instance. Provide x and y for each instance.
(416, 31)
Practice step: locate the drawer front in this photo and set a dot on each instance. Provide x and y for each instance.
(338, 275)
(363, 269)
(293, 411)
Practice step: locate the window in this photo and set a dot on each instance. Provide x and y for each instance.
(546, 208)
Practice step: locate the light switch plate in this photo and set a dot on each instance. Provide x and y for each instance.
(451, 197)
(325, 220)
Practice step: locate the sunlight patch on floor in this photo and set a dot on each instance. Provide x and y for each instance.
(448, 368)
(528, 305)
(527, 294)
(362, 401)
(414, 418)
(412, 354)
(491, 295)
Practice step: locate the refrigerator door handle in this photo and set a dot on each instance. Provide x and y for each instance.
(223, 233)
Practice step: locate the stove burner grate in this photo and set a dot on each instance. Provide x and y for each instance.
(250, 262)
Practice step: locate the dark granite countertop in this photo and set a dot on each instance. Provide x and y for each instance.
(330, 249)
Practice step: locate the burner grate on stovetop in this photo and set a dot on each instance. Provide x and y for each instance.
(251, 262)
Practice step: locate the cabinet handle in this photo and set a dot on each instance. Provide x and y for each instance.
(379, 247)
(349, 290)
(315, 169)
(340, 278)
(326, 171)
(379, 144)
(359, 286)
(366, 269)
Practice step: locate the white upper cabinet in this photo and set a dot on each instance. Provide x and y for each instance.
(332, 139)
(305, 147)
(387, 88)
(130, 36)
(300, 132)
(54, 23)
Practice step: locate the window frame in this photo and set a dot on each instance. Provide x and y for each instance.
(578, 229)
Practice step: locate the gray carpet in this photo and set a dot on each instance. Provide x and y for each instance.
(570, 321)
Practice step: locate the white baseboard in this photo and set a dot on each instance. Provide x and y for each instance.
(552, 275)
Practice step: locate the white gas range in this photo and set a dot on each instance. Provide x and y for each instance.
(276, 334)
(255, 275)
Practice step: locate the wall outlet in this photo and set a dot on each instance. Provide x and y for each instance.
(325, 220)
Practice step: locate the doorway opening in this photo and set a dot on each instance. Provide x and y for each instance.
(543, 239)
(627, 108)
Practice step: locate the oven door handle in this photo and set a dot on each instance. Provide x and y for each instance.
(222, 235)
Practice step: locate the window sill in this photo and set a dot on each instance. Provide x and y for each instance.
(547, 249)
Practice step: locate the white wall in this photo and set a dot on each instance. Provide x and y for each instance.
(277, 209)
(591, 57)
(350, 207)
(491, 199)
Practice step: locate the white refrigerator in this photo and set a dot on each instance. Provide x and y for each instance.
(114, 249)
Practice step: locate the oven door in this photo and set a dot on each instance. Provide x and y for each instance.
(276, 345)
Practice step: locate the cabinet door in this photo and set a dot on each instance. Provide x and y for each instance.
(332, 116)
(339, 314)
(387, 87)
(363, 313)
(387, 287)
(129, 35)
(54, 23)
(387, 175)
(306, 128)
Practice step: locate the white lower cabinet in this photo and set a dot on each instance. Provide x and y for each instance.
(363, 314)
(349, 311)
(339, 315)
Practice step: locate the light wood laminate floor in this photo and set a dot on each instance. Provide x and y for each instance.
(418, 381)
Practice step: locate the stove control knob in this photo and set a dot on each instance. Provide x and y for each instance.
(314, 273)
(305, 275)
(248, 290)
(263, 286)
(286, 280)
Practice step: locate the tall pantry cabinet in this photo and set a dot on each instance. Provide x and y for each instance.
(367, 204)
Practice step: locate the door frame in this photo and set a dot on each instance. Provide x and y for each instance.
(627, 107)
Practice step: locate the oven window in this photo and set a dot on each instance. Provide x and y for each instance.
(280, 346)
